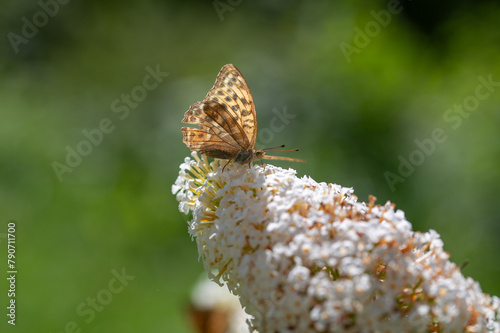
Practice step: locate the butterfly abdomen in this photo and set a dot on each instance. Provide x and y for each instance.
(216, 153)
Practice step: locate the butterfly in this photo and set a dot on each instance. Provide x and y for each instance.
(227, 120)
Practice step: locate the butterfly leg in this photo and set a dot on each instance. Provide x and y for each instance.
(225, 165)
(229, 161)
(262, 164)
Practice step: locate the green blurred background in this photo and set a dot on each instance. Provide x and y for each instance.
(360, 91)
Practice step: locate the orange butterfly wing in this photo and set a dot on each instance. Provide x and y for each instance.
(226, 116)
(231, 89)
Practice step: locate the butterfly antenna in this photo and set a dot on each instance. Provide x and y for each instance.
(273, 148)
(276, 149)
(268, 157)
(296, 149)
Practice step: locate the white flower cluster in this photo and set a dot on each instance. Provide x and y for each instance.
(308, 257)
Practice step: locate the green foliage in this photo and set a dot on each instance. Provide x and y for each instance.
(354, 116)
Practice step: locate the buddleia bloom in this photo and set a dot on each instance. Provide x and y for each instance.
(305, 256)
